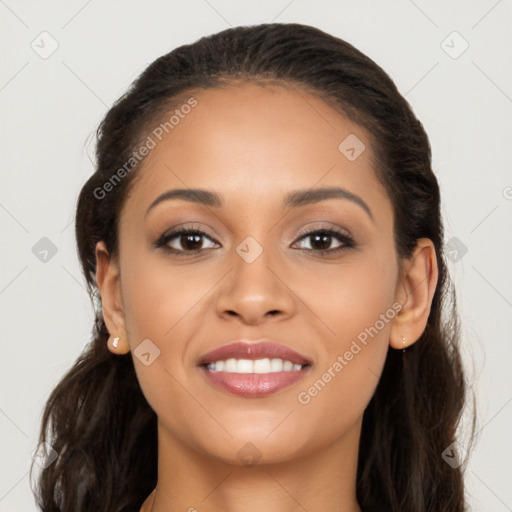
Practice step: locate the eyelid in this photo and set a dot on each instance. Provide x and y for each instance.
(326, 226)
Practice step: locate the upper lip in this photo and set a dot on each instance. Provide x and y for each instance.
(247, 349)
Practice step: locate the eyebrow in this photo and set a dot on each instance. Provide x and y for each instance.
(294, 199)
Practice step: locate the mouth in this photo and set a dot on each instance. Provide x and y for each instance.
(254, 369)
(251, 366)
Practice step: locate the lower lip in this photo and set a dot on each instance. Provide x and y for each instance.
(254, 384)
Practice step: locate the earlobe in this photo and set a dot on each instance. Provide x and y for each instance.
(107, 280)
(415, 292)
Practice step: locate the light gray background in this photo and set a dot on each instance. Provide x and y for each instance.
(50, 107)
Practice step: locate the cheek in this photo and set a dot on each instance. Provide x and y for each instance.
(157, 297)
(356, 305)
(349, 298)
(164, 304)
(160, 302)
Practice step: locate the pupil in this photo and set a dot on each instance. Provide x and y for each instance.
(325, 239)
(189, 241)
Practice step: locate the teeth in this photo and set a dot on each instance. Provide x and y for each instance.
(254, 366)
(288, 366)
(262, 365)
(230, 366)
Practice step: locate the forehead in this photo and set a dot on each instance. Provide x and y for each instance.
(254, 143)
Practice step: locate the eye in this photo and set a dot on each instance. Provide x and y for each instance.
(322, 238)
(183, 240)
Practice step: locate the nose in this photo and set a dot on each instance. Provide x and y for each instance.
(255, 292)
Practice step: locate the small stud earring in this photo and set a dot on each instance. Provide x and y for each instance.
(115, 342)
(403, 341)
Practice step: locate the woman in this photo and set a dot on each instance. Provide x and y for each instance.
(263, 238)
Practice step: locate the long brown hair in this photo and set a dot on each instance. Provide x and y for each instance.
(98, 420)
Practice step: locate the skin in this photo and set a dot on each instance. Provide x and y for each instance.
(253, 145)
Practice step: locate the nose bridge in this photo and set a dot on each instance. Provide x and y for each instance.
(254, 288)
(251, 270)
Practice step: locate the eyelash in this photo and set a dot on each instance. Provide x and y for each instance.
(347, 241)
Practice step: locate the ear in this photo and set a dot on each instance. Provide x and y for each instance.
(107, 279)
(415, 291)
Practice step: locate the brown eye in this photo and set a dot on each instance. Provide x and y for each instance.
(320, 240)
(183, 241)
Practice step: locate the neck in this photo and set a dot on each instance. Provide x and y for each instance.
(324, 480)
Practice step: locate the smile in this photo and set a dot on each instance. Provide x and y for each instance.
(253, 380)
(254, 366)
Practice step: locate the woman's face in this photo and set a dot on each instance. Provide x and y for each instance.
(256, 275)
